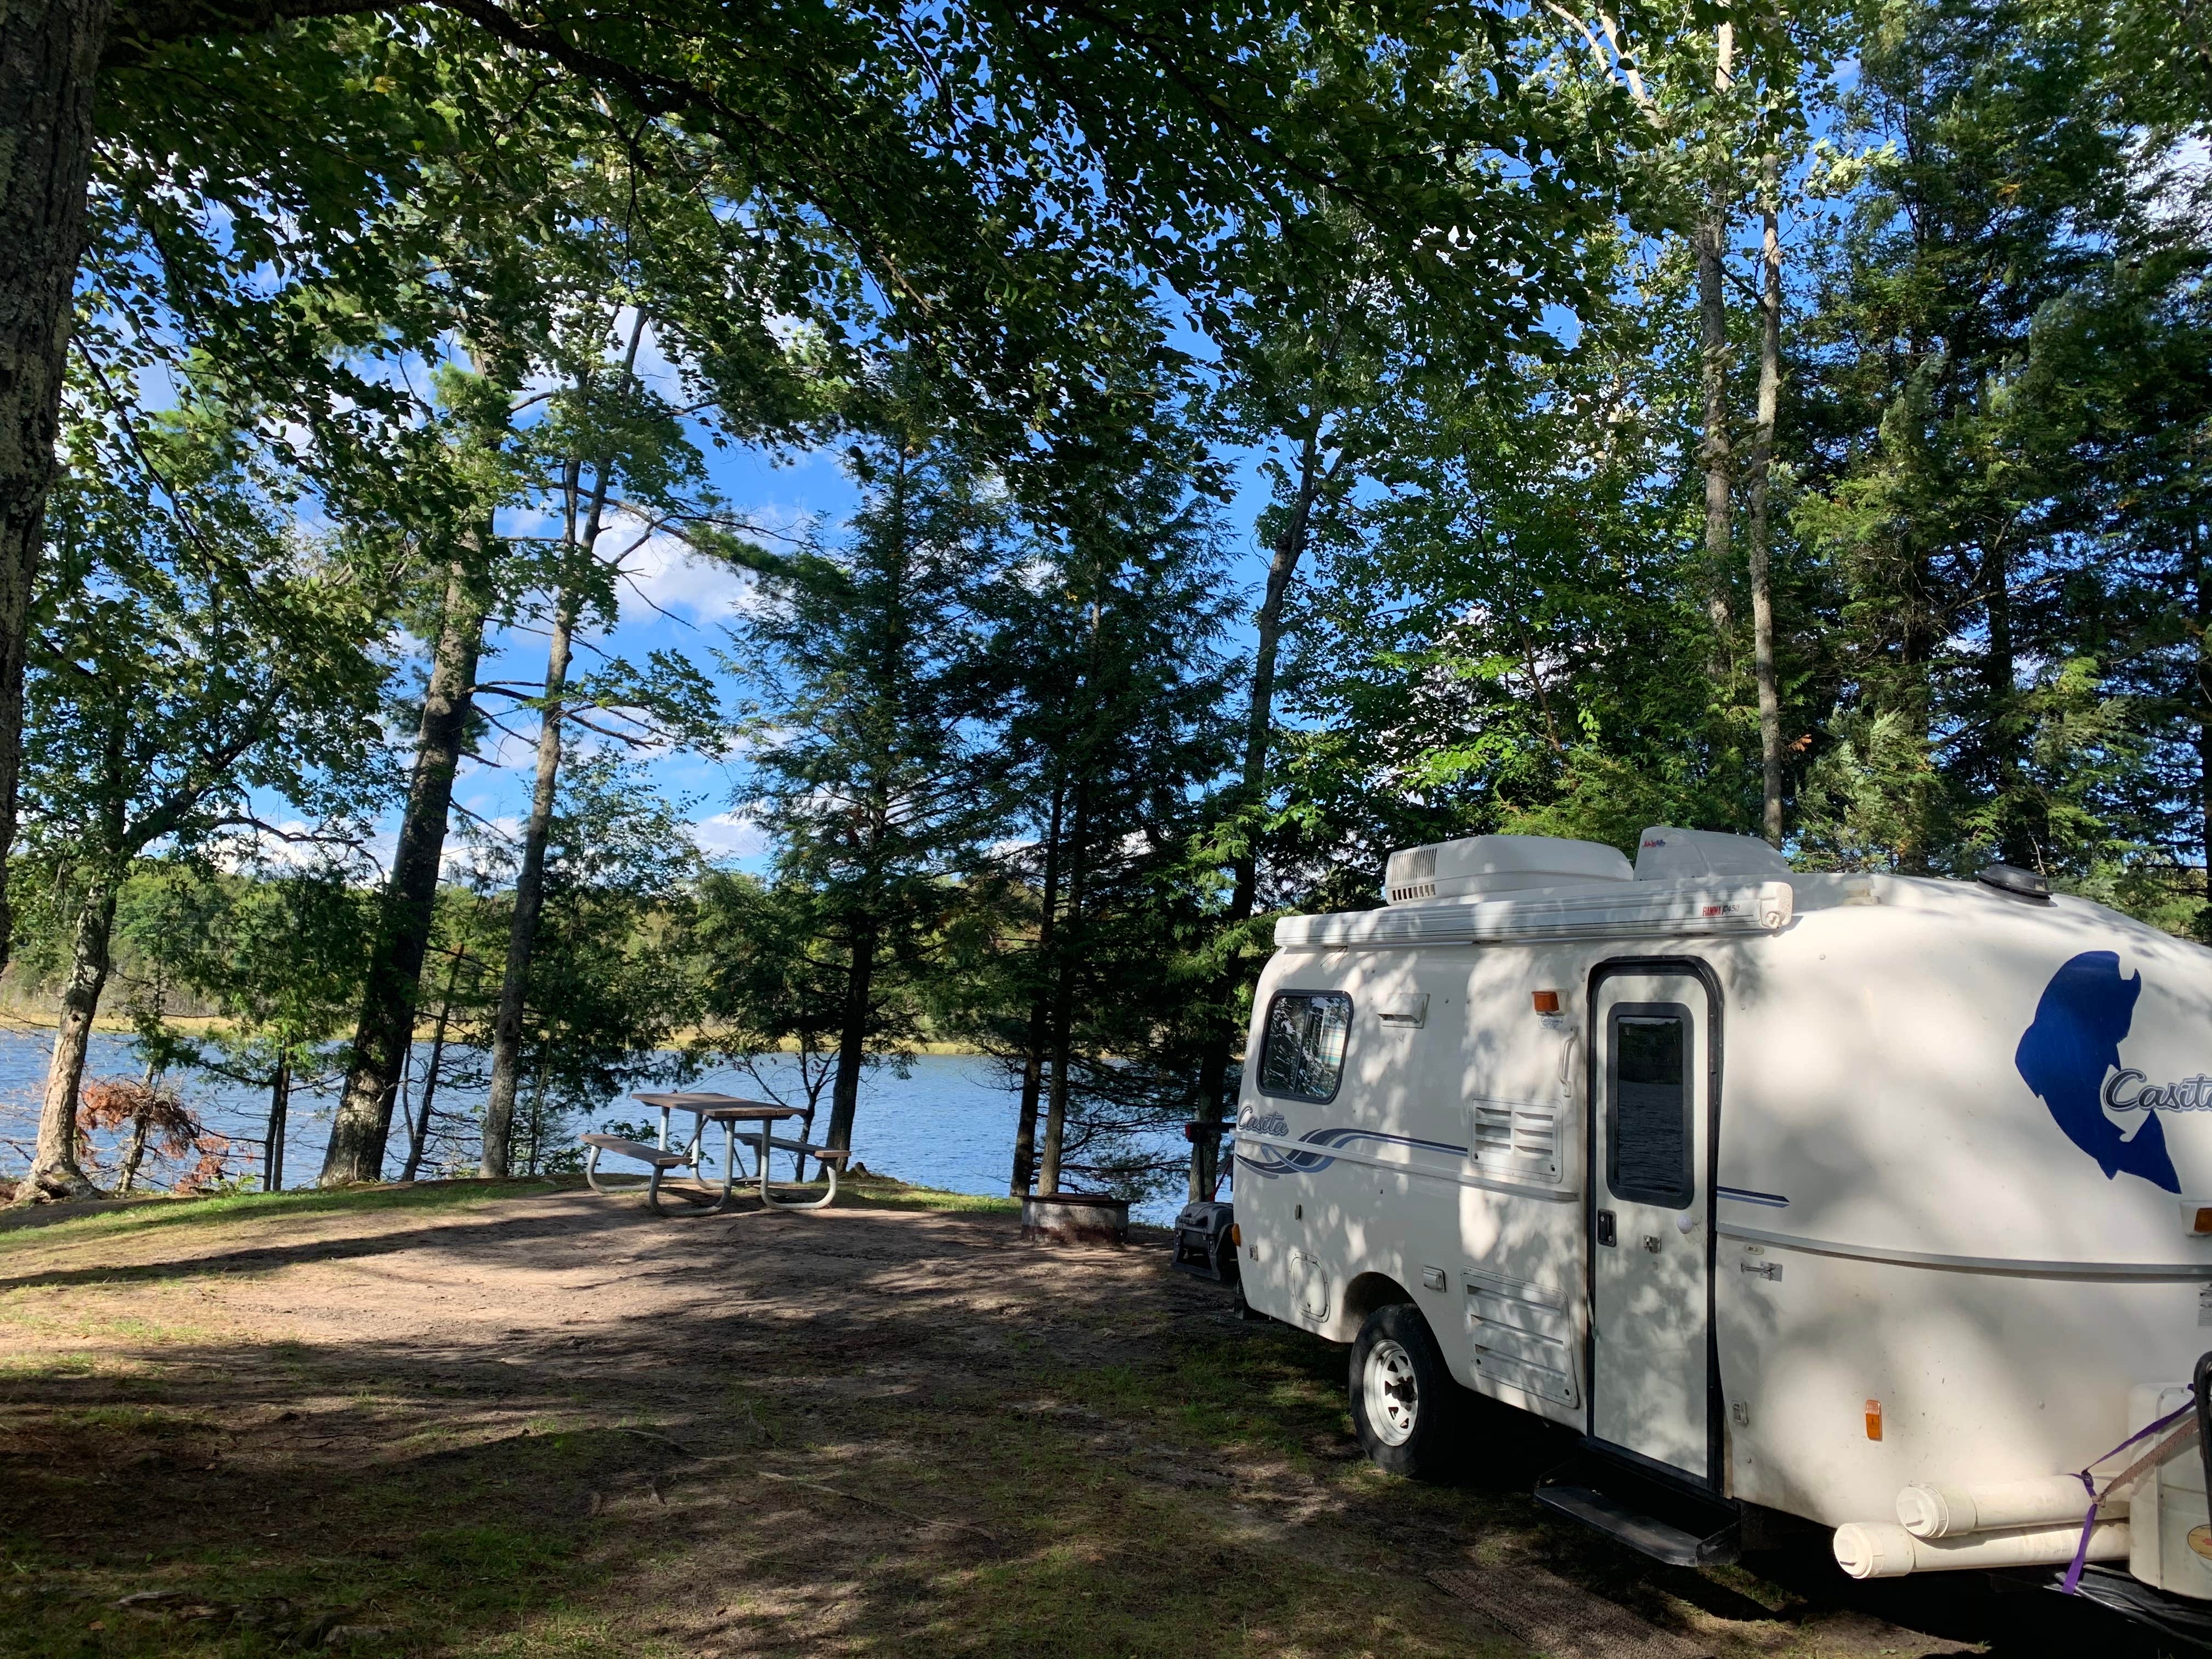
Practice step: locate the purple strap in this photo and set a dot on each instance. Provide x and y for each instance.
(2071, 1584)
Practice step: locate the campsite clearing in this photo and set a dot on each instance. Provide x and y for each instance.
(475, 1418)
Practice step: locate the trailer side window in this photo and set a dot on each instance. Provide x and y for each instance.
(1647, 1106)
(1304, 1054)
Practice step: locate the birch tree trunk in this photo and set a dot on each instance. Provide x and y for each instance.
(386, 1033)
(49, 63)
(54, 1173)
(1762, 467)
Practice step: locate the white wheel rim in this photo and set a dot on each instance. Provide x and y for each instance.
(1392, 1398)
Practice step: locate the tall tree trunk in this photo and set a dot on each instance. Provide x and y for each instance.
(280, 1106)
(1282, 568)
(1259, 724)
(386, 1034)
(1711, 243)
(2200, 600)
(529, 899)
(418, 1130)
(48, 60)
(1040, 1032)
(49, 63)
(1063, 998)
(529, 879)
(54, 1172)
(853, 1037)
(1762, 467)
(2019, 838)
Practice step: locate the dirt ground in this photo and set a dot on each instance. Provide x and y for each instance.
(468, 1420)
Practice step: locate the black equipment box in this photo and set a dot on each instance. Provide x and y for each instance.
(1206, 1240)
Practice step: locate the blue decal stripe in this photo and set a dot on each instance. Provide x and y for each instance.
(1345, 1135)
(1273, 1161)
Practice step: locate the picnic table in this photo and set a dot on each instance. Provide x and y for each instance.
(758, 1119)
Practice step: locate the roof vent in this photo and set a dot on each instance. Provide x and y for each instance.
(1664, 853)
(1482, 865)
(2011, 879)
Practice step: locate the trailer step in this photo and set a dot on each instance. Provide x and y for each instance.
(1651, 1517)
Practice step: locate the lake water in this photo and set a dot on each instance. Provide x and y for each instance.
(949, 1123)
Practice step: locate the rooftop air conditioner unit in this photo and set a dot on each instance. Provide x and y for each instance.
(1480, 866)
(1663, 853)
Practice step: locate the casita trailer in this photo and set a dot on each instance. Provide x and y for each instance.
(1880, 1202)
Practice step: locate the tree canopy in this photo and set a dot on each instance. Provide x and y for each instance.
(1270, 437)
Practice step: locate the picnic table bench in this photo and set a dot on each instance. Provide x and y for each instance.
(760, 1117)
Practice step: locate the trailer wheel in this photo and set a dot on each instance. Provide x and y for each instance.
(1406, 1407)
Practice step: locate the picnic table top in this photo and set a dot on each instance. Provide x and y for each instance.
(719, 1108)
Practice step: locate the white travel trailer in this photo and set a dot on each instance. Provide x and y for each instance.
(1876, 1202)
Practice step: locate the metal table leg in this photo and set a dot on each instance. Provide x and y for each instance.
(729, 1163)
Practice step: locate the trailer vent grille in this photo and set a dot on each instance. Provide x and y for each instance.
(1513, 1137)
(1410, 875)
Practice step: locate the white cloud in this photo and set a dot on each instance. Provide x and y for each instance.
(729, 835)
(666, 574)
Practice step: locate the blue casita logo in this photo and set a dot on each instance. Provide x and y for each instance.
(2069, 1056)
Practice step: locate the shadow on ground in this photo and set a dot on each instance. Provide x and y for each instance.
(558, 1424)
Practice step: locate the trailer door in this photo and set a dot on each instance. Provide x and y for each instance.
(1654, 1086)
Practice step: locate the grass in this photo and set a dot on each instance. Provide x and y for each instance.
(34, 1228)
(885, 1192)
(28, 1229)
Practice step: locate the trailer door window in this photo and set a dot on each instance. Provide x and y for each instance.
(1648, 1120)
(1304, 1054)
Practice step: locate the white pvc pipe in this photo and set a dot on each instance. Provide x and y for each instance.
(1934, 1511)
(1877, 1549)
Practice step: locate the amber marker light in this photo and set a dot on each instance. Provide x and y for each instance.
(2203, 1219)
(1874, 1420)
(1548, 1002)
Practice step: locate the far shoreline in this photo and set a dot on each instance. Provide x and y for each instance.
(30, 1023)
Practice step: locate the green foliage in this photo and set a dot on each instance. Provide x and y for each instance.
(770, 984)
(190, 649)
(610, 985)
(866, 767)
(1110, 692)
(1045, 282)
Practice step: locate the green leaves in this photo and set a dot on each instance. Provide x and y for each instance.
(191, 648)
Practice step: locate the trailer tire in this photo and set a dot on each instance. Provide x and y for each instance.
(1407, 1410)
